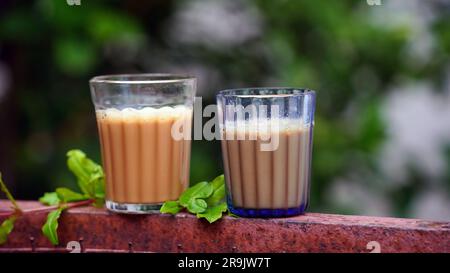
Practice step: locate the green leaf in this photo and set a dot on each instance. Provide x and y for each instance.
(4, 189)
(50, 199)
(50, 228)
(218, 195)
(171, 207)
(199, 190)
(213, 214)
(99, 193)
(67, 195)
(218, 182)
(90, 176)
(203, 199)
(197, 206)
(6, 228)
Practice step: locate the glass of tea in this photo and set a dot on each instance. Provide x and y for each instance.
(144, 124)
(266, 136)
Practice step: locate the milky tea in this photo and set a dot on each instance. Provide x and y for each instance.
(142, 161)
(145, 162)
(266, 149)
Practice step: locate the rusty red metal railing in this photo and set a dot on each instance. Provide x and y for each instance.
(89, 229)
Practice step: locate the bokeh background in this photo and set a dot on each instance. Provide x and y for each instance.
(382, 75)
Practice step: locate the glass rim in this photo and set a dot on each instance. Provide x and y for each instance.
(141, 78)
(291, 92)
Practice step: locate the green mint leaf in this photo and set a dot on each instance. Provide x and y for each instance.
(204, 199)
(218, 195)
(100, 193)
(49, 229)
(199, 190)
(50, 199)
(89, 174)
(67, 195)
(4, 189)
(100, 189)
(197, 206)
(218, 182)
(171, 207)
(213, 214)
(5, 229)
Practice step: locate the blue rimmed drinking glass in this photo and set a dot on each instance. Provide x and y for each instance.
(267, 145)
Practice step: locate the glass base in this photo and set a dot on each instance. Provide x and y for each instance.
(133, 208)
(267, 213)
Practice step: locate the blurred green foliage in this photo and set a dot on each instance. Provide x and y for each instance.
(330, 46)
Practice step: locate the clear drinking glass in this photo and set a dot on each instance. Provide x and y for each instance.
(266, 145)
(144, 124)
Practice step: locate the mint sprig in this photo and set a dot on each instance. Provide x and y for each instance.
(8, 194)
(91, 183)
(6, 228)
(8, 224)
(172, 207)
(193, 198)
(204, 199)
(50, 199)
(213, 213)
(49, 229)
(90, 176)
